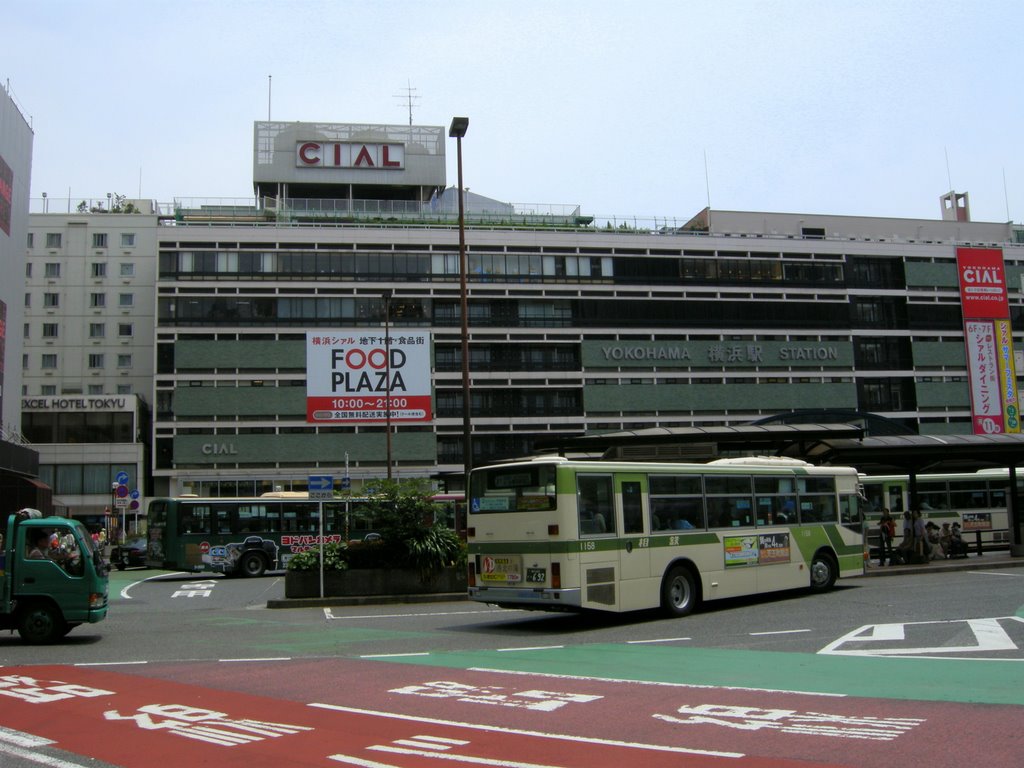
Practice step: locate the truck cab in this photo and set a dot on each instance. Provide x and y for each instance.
(52, 577)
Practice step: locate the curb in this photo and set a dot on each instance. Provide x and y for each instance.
(327, 602)
(972, 563)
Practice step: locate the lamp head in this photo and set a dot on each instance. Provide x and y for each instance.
(458, 127)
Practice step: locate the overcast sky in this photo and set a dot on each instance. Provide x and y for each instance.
(854, 108)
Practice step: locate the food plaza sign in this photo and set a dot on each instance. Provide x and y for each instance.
(353, 377)
(344, 154)
(988, 340)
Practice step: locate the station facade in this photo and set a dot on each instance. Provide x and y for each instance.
(576, 326)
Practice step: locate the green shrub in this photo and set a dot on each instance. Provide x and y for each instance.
(403, 514)
(335, 558)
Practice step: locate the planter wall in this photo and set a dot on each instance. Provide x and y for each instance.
(371, 581)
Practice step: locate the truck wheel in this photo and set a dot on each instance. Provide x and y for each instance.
(252, 564)
(679, 592)
(41, 624)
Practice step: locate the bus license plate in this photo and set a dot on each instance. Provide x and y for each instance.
(536, 575)
(506, 569)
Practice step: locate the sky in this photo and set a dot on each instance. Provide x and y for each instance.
(627, 109)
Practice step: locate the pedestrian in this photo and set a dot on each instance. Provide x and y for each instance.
(922, 549)
(886, 532)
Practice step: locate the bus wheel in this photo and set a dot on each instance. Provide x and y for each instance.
(41, 624)
(679, 592)
(252, 565)
(824, 572)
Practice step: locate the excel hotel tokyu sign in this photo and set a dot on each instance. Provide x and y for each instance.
(354, 376)
(988, 339)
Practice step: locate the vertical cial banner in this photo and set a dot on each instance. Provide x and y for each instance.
(350, 377)
(988, 339)
(6, 196)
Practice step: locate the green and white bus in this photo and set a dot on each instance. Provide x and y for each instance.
(246, 536)
(976, 501)
(550, 533)
(249, 536)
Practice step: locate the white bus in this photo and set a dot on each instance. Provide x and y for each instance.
(553, 534)
(974, 500)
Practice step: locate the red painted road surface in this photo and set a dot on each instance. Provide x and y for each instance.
(374, 715)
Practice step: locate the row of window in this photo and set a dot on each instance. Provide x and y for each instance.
(79, 479)
(52, 269)
(99, 240)
(876, 272)
(96, 330)
(684, 502)
(97, 360)
(50, 390)
(97, 300)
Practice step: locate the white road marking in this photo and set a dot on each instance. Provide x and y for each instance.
(780, 632)
(989, 633)
(393, 655)
(654, 682)
(329, 615)
(529, 648)
(660, 640)
(34, 757)
(520, 732)
(124, 592)
(21, 739)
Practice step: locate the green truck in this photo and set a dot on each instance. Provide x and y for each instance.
(52, 577)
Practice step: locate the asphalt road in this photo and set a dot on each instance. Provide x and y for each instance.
(191, 669)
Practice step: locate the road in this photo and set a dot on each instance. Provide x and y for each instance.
(197, 670)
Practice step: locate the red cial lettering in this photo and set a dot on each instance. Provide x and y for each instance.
(364, 154)
(305, 153)
(387, 161)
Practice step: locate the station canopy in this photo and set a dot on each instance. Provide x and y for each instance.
(835, 444)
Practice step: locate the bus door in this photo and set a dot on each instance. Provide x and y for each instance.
(634, 553)
(598, 542)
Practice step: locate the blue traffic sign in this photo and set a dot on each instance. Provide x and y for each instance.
(121, 478)
(321, 483)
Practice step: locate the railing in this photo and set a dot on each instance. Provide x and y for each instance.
(414, 214)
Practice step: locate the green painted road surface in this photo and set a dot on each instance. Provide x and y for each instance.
(951, 680)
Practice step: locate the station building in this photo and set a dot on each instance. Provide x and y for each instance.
(576, 325)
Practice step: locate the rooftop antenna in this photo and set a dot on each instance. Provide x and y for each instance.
(707, 179)
(409, 98)
(949, 176)
(270, 83)
(1006, 197)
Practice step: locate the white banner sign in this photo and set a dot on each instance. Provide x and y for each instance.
(353, 376)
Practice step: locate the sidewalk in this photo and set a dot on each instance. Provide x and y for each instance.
(973, 562)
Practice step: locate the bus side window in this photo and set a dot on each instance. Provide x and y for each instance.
(594, 498)
(632, 508)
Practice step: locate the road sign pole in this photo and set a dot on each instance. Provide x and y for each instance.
(321, 506)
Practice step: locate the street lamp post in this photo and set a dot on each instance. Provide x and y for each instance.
(458, 130)
(386, 295)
